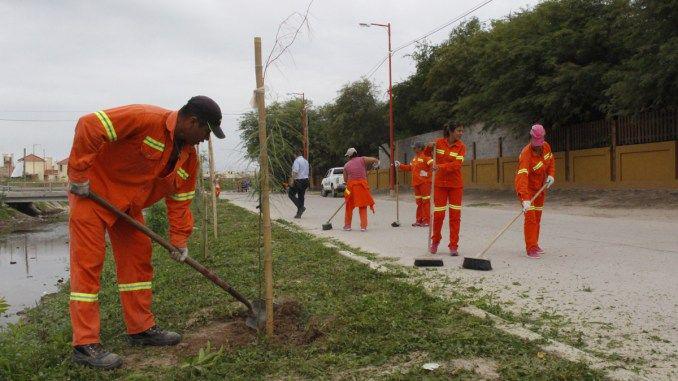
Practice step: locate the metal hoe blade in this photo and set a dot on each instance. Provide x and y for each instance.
(257, 318)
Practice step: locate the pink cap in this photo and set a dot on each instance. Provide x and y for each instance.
(537, 132)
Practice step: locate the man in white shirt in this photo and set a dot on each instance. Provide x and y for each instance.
(299, 183)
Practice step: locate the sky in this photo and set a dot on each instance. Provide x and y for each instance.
(63, 59)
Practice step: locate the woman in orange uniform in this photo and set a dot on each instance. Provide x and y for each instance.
(449, 157)
(357, 192)
(420, 166)
(536, 167)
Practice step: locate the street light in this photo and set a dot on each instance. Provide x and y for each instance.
(304, 123)
(391, 172)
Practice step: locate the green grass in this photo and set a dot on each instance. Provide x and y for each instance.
(377, 320)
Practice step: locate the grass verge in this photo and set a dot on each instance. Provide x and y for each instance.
(376, 326)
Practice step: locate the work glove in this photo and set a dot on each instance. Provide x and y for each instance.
(549, 181)
(179, 255)
(375, 165)
(397, 163)
(80, 189)
(526, 205)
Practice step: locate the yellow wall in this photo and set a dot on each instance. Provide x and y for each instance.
(639, 166)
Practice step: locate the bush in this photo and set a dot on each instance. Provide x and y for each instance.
(156, 218)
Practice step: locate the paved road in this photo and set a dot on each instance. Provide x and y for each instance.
(614, 279)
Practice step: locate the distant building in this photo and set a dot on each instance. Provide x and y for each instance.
(34, 166)
(7, 165)
(62, 168)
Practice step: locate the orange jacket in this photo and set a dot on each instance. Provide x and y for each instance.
(124, 153)
(533, 170)
(357, 193)
(420, 166)
(449, 159)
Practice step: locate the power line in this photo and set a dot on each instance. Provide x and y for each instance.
(436, 30)
(74, 120)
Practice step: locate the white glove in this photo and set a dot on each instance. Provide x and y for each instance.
(180, 255)
(397, 163)
(549, 181)
(80, 189)
(526, 205)
(375, 165)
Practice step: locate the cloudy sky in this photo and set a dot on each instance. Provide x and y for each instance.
(62, 59)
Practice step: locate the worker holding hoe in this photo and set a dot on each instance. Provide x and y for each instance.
(449, 187)
(420, 166)
(536, 167)
(357, 192)
(132, 156)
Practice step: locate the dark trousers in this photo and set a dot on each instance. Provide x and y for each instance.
(297, 192)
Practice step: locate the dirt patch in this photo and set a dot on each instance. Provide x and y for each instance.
(292, 326)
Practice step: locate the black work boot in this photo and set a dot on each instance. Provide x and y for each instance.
(95, 356)
(155, 336)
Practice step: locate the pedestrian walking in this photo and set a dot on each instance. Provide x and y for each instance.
(420, 166)
(299, 183)
(132, 156)
(449, 186)
(536, 167)
(357, 192)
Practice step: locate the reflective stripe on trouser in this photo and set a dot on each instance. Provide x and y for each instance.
(447, 198)
(132, 253)
(348, 215)
(532, 222)
(422, 194)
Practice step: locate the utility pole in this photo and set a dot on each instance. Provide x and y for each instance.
(391, 172)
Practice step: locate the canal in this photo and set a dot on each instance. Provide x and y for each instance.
(33, 263)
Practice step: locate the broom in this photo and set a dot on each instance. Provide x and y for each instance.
(478, 263)
(430, 260)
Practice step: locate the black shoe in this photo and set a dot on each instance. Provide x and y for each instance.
(155, 336)
(301, 211)
(95, 356)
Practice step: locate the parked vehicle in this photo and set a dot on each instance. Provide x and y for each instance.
(333, 183)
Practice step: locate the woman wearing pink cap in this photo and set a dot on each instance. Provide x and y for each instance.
(536, 167)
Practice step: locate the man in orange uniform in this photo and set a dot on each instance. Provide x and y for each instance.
(449, 186)
(420, 166)
(536, 167)
(132, 156)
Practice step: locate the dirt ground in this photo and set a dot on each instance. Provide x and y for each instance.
(607, 283)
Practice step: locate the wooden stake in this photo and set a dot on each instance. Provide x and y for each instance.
(263, 173)
(203, 199)
(214, 193)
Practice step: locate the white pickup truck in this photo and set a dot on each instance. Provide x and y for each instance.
(333, 183)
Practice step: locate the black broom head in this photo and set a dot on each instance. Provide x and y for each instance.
(327, 226)
(477, 264)
(428, 262)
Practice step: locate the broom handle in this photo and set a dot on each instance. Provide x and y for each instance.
(336, 211)
(433, 182)
(397, 191)
(510, 223)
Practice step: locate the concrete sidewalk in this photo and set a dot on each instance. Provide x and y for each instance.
(613, 279)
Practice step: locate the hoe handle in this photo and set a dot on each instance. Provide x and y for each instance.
(171, 248)
(510, 223)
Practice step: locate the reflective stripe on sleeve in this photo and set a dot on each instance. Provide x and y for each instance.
(182, 173)
(183, 196)
(548, 156)
(108, 125)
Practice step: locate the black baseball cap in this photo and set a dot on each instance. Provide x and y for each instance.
(208, 111)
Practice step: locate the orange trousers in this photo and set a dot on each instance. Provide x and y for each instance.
(447, 198)
(533, 221)
(422, 196)
(348, 215)
(132, 253)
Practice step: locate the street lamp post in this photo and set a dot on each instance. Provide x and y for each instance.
(304, 123)
(391, 176)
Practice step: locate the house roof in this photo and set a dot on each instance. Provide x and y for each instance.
(63, 162)
(32, 158)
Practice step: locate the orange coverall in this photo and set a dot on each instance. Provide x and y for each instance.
(532, 172)
(449, 188)
(124, 152)
(420, 166)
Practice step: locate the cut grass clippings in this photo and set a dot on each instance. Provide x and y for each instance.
(369, 324)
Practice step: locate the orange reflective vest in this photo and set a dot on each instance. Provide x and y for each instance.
(124, 153)
(533, 170)
(420, 166)
(449, 159)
